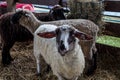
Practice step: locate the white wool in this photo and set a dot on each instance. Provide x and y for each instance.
(69, 66)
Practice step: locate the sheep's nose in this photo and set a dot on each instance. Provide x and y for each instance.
(62, 46)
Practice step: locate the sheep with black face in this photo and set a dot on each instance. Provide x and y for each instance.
(59, 47)
(11, 33)
(55, 13)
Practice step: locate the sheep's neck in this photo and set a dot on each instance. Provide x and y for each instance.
(33, 26)
(72, 63)
(36, 25)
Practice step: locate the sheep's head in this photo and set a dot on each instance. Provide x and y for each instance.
(57, 12)
(66, 38)
(24, 18)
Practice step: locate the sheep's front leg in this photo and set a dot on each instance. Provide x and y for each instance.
(76, 78)
(92, 64)
(6, 57)
(37, 57)
(60, 78)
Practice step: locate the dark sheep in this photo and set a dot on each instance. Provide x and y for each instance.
(11, 33)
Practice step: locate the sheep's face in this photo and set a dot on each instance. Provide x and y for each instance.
(65, 38)
(57, 12)
(27, 19)
(24, 18)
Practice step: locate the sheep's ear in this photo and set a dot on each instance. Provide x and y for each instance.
(82, 35)
(16, 16)
(47, 34)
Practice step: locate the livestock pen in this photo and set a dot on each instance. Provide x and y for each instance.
(24, 66)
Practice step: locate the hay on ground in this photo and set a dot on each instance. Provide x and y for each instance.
(24, 66)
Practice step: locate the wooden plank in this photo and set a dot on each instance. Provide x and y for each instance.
(112, 26)
(111, 19)
(109, 40)
(112, 5)
(110, 13)
(111, 0)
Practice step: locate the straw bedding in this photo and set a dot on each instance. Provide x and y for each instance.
(24, 67)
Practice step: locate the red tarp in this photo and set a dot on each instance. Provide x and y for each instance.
(19, 6)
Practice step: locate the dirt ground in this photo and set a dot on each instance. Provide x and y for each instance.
(24, 66)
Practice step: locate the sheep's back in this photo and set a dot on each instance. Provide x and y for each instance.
(83, 25)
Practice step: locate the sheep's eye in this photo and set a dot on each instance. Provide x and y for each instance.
(27, 15)
(71, 40)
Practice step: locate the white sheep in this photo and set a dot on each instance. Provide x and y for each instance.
(60, 50)
(27, 19)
